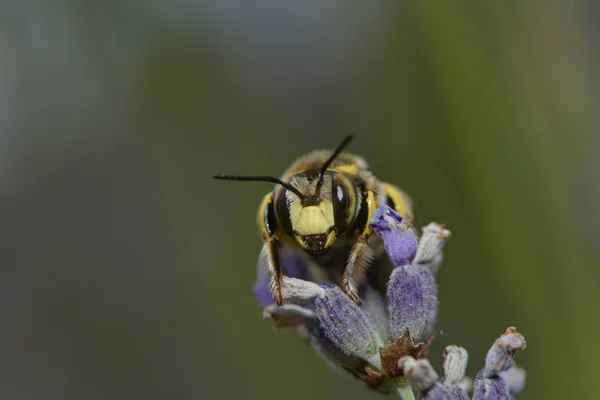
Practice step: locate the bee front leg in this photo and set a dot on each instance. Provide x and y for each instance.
(358, 262)
(267, 224)
(270, 253)
(361, 254)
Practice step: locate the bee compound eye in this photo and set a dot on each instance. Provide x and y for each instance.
(341, 199)
(283, 212)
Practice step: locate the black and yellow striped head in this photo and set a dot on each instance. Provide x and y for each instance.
(325, 210)
(313, 206)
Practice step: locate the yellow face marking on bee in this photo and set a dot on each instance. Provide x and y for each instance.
(312, 220)
(318, 244)
(331, 236)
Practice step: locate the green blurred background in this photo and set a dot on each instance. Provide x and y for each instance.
(126, 270)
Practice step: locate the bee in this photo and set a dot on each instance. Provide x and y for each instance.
(321, 206)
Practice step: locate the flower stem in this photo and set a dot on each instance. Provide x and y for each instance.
(404, 391)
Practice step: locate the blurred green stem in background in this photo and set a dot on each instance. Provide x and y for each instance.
(509, 108)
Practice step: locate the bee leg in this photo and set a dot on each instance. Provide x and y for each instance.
(272, 257)
(361, 254)
(267, 224)
(357, 265)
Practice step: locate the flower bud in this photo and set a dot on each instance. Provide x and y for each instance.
(399, 240)
(455, 364)
(488, 383)
(345, 324)
(412, 302)
(419, 373)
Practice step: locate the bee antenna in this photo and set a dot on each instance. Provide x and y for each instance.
(327, 163)
(272, 179)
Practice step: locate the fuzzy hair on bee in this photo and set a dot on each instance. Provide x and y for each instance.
(320, 208)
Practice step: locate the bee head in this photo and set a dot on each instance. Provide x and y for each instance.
(315, 206)
(325, 210)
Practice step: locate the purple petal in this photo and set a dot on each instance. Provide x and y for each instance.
(345, 324)
(376, 311)
(262, 293)
(398, 239)
(500, 356)
(443, 392)
(292, 265)
(412, 302)
(490, 388)
(349, 365)
(327, 349)
(336, 358)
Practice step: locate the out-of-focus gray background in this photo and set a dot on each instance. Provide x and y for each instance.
(126, 270)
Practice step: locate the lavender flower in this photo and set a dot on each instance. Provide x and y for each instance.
(500, 378)
(489, 384)
(398, 239)
(383, 343)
